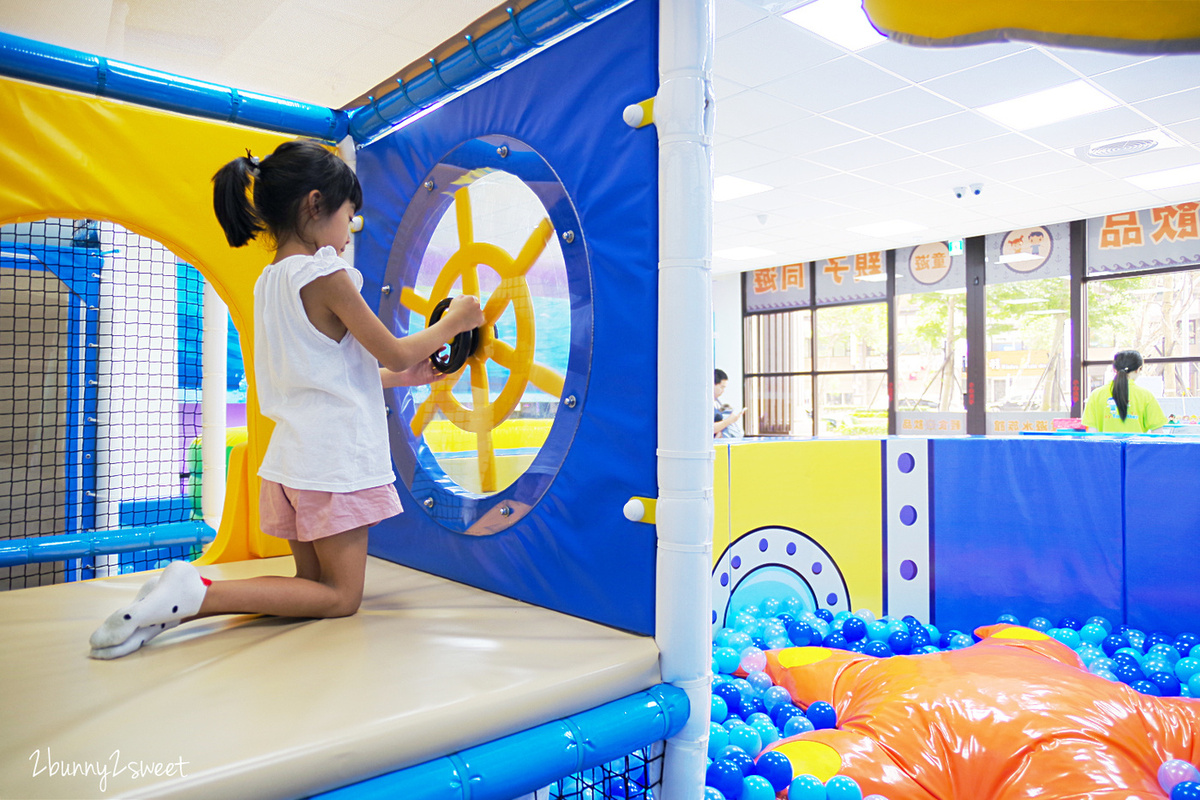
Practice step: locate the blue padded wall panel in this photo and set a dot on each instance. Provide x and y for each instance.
(574, 552)
(1162, 525)
(1027, 527)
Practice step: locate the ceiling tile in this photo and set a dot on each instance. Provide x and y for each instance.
(833, 84)
(752, 111)
(987, 151)
(1172, 108)
(732, 158)
(1090, 128)
(1163, 75)
(1014, 76)
(862, 153)
(912, 168)
(920, 64)
(733, 15)
(957, 129)
(768, 50)
(1187, 131)
(1151, 161)
(806, 136)
(790, 171)
(1038, 164)
(908, 106)
(839, 187)
(1094, 62)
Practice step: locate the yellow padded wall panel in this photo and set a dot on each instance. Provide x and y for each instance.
(70, 155)
(831, 491)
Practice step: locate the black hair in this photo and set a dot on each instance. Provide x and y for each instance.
(718, 376)
(1124, 363)
(280, 183)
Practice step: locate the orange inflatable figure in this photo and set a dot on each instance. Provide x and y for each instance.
(1013, 716)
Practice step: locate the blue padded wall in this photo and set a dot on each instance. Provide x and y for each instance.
(1162, 524)
(574, 552)
(1029, 526)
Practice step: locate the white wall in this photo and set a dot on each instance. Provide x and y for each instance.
(727, 333)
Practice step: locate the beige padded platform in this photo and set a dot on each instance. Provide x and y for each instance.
(267, 707)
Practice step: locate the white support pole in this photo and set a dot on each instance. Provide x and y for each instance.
(212, 405)
(683, 113)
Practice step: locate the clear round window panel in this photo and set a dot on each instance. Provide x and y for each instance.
(482, 437)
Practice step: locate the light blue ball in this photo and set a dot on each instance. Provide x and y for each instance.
(934, 634)
(756, 787)
(1185, 668)
(761, 681)
(1093, 633)
(718, 739)
(766, 731)
(806, 787)
(1039, 624)
(1193, 685)
(877, 631)
(1068, 637)
(961, 640)
(841, 787)
(865, 614)
(775, 695)
(713, 793)
(747, 738)
(1101, 621)
(719, 709)
(797, 725)
(727, 660)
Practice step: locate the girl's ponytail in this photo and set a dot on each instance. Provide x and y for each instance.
(1124, 363)
(231, 200)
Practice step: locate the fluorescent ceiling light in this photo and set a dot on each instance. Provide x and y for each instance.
(1070, 100)
(727, 187)
(742, 253)
(840, 21)
(1009, 258)
(890, 228)
(1167, 178)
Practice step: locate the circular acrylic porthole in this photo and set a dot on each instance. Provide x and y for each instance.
(479, 448)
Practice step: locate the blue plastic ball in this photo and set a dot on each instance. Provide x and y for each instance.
(803, 635)
(1070, 622)
(840, 787)
(806, 787)
(822, 715)
(719, 709)
(877, 649)
(747, 738)
(767, 732)
(911, 621)
(835, 641)
(919, 639)
(1101, 621)
(737, 756)
(752, 705)
(854, 629)
(1185, 668)
(713, 793)
(877, 631)
(900, 643)
(1128, 673)
(718, 739)
(858, 647)
(1039, 624)
(1114, 642)
(825, 614)
(783, 712)
(1187, 790)
(731, 695)
(1157, 637)
(1010, 619)
(797, 725)
(775, 767)
(1146, 687)
(756, 787)
(1184, 642)
(1167, 683)
(760, 681)
(1067, 636)
(961, 640)
(774, 697)
(726, 778)
(1093, 633)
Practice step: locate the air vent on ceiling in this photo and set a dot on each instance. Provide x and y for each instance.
(1130, 144)
(1125, 147)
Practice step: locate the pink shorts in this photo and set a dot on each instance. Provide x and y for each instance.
(305, 514)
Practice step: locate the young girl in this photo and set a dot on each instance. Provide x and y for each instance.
(327, 474)
(1120, 406)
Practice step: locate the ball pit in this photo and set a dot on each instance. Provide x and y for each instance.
(756, 714)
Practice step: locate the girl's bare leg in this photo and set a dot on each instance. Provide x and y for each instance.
(328, 583)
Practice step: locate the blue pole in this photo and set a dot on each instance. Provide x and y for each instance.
(48, 64)
(35, 549)
(522, 33)
(529, 760)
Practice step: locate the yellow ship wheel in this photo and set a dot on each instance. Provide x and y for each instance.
(486, 414)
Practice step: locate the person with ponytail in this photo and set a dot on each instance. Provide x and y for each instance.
(318, 350)
(1121, 406)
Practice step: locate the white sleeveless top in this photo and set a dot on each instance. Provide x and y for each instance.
(325, 397)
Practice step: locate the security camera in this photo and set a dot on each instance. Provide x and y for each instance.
(959, 191)
(976, 188)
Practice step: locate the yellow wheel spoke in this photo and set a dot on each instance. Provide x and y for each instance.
(414, 302)
(462, 209)
(424, 415)
(533, 247)
(487, 461)
(505, 293)
(546, 379)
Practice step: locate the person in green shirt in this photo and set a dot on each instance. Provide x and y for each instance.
(1120, 406)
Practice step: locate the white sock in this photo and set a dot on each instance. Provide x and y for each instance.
(134, 642)
(178, 594)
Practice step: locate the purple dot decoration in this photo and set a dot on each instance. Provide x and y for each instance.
(791, 548)
(831, 600)
(724, 578)
(906, 462)
(762, 545)
(816, 568)
(908, 569)
(736, 561)
(908, 515)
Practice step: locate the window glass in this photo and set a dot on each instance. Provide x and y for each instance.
(852, 337)
(852, 405)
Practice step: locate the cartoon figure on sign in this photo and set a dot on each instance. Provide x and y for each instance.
(1027, 249)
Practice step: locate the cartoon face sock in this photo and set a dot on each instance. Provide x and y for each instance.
(178, 594)
(134, 642)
